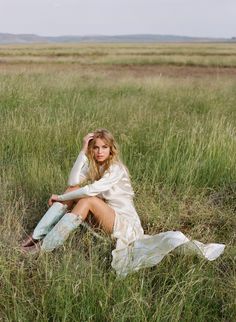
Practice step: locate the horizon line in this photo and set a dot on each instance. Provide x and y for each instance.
(115, 35)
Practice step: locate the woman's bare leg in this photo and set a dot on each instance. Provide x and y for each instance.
(104, 214)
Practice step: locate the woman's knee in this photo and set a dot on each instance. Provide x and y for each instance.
(87, 200)
(71, 188)
(70, 203)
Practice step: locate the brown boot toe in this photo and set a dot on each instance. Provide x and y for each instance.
(29, 241)
(34, 249)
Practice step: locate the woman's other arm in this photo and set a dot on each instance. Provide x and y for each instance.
(110, 178)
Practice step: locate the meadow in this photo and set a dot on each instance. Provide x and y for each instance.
(172, 109)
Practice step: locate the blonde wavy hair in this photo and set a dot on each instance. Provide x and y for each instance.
(96, 172)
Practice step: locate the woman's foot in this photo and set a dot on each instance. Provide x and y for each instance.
(34, 249)
(29, 241)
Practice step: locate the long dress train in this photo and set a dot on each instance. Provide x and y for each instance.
(150, 250)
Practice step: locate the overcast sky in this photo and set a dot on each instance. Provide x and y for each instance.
(208, 18)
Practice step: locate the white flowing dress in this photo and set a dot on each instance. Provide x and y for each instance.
(134, 249)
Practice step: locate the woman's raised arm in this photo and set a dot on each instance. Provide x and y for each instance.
(80, 168)
(79, 171)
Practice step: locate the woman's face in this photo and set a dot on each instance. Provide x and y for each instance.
(101, 150)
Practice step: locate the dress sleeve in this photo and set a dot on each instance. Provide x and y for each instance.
(109, 179)
(79, 171)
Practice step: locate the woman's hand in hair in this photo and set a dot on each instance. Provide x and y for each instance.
(86, 140)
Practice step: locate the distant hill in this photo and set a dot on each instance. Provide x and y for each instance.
(6, 38)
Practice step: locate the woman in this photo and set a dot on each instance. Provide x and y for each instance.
(109, 197)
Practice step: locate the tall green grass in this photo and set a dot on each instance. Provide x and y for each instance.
(177, 138)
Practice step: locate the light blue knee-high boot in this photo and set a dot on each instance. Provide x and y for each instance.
(61, 231)
(50, 218)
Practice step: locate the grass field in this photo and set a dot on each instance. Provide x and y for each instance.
(172, 109)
